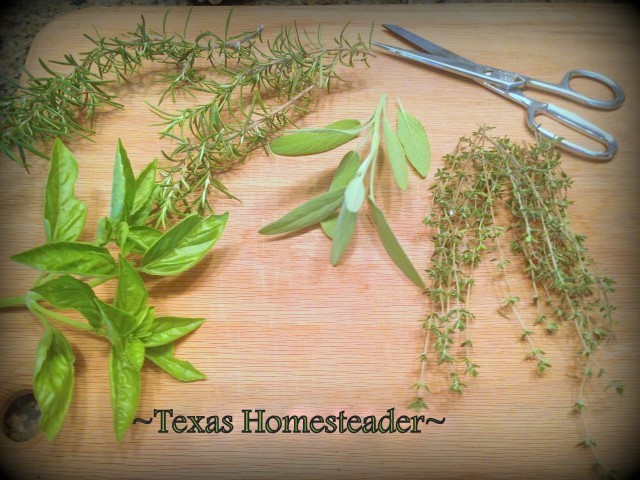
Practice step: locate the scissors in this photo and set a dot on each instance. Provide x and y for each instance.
(510, 85)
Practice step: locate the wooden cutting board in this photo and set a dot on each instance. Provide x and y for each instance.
(290, 334)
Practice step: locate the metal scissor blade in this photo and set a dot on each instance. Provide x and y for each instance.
(461, 66)
(423, 43)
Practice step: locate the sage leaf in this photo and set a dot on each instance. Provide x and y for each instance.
(72, 258)
(393, 247)
(183, 245)
(131, 294)
(316, 141)
(145, 195)
(354, 194)
(141, 238)
(119, 323)
(125, 388)
(395, 153)
(181, 369)
(309, 213)
(64, 214)
(53, 380)
(414, 140)
(167, 329)
(344, 173)
(67, 292)
(343, 233)
(123, 188)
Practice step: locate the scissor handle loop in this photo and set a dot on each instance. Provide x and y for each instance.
(565, 89)
(576, 123)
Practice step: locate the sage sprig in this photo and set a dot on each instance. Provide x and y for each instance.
(69, 270)
(337, 210)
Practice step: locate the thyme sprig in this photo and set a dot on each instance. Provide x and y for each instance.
(484, 181)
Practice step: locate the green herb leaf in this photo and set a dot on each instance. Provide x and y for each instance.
(123, 188)
(395, 153)
(317, 141)
(131, 294)
(167, 329)
(64, 214)
(53, 380)
(141, 238)
(145, 325)
(343, 233)
(183, 245)
(309, 213)
(135, 351)
(354, 194)
(145, 195)
(414, 140)
(105, 231)
(70, 293)
(180, 369)
(393, 247)
(72, 258)
(119, 323)
(125, 387)
(341, 178)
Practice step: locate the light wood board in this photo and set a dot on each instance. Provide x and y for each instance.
(288, 333)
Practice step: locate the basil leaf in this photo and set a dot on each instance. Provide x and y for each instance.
(145, 325)
(183, 245)
(125, 388)
(105, 231)
(141, 238)
(131, 294)
(53, 380)
(123, 188)
(344, 173)
(167, 329)
(395, 153)
(64, 214)
(72, 258)
(310, 212)
(119, 323)
(180, 369)
(134, 349)
(342, 234)
(145, 195)
(414, 140)
(393, 247)
(70, 293)
(316, 141)
(354, 194)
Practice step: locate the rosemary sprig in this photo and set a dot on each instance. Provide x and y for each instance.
(254, 87)
(483, 176)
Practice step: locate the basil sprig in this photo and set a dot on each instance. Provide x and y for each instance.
(70, 269)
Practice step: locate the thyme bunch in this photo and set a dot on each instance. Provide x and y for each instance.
(488, 188)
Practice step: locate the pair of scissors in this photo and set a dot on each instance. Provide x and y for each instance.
(510, 85)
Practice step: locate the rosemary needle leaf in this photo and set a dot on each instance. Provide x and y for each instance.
(396, 154)
(342, 235)
(393, 247)
(309, 213)
(414, 140)
(317, 141)
(344, 173)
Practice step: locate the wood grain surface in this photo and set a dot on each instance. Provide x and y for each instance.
(290, 334)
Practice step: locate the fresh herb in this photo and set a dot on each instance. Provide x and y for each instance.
(337, 210)
(488, 187)
(254, 88)
(130, 324)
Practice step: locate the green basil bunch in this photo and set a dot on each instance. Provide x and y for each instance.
(337, 209)
(69, 270)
